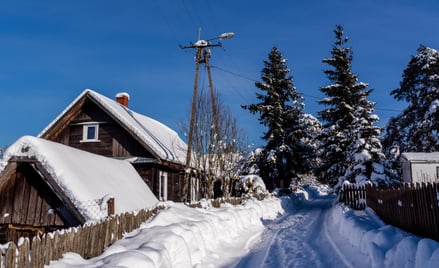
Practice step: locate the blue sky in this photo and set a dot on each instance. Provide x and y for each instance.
(51, 51)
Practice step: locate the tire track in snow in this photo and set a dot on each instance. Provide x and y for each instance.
(300, 238)
(337, 250)
(272, 251)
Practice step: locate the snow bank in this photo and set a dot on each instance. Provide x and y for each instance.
(250, 184)
(184, 237)
(387, 246)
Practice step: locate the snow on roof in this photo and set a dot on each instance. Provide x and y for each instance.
(122, 94)
(164, 141)
(87, 179)
(421, 157)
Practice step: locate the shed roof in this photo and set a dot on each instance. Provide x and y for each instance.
(157, 137)
(87, 179)
(421, 157)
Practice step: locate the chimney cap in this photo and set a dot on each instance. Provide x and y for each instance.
(123, 95)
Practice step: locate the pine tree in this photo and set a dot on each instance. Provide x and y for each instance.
(350, 145)
(367, 162)
(280, 110)
(417, 127)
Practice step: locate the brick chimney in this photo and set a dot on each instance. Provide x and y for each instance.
(123, 98)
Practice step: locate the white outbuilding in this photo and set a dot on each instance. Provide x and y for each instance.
(420, 167)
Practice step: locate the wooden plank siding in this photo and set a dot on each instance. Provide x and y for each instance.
(114, 141)
(28, 204)
(150, 175)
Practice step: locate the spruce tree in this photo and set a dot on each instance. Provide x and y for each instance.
(280, 110)
(416, 129)
(350, 145)
(367, 162)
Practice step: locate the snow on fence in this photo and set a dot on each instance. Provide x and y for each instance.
(411, 207)
(353, 196)
(88, 241)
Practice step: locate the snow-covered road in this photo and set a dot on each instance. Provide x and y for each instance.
(305, 229)
(301, 238)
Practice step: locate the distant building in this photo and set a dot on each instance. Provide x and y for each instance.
(420, 167)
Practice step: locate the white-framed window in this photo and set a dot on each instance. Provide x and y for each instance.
(90, 132)
(163, 186)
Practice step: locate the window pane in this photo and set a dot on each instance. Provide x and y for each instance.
(91, 132)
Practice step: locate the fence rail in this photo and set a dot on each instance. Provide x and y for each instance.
(411, 207)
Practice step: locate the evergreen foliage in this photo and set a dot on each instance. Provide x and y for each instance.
(367, 162)
(350, 146)
(416, 129)
(288, 151)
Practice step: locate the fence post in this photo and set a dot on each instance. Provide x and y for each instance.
(10, 255)
(23, 254)
(110, 206)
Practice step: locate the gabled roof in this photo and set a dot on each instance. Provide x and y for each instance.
(159, 139)
(86, 179)
(422, 157)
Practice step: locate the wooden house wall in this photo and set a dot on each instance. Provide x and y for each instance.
(114, 141)
(150, 174)
(28, 206)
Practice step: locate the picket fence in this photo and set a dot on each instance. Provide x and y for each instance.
(411, 207)
(88, 241)
(353, 196)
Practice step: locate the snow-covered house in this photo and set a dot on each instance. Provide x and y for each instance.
(46, 186)
(100, 125)
(420, 167)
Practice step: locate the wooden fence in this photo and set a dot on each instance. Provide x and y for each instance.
(411, 207)
(353, 196)
(88, 241)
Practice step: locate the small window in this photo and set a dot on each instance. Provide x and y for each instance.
(90, 132)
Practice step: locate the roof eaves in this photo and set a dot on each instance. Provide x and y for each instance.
(61, 117)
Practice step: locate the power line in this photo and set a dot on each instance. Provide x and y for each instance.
(189, 14)
(233, 73)
(306, 95)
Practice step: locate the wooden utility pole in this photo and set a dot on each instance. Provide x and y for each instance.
(202, 56)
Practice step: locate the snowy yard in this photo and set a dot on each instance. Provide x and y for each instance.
(306, 229)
